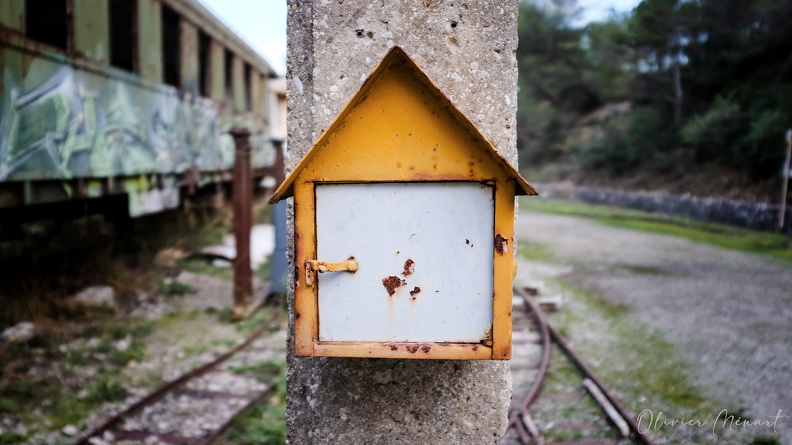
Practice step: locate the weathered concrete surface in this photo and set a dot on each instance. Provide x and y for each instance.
(468, 50)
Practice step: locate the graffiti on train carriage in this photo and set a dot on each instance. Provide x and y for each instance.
(78, 124)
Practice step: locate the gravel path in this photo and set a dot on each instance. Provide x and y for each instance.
(729, 313)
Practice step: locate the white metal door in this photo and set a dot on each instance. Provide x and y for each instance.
(425, 254)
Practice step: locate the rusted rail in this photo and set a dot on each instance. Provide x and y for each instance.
(586, 371)
(515, 419)
(179, 382)
(550, 333)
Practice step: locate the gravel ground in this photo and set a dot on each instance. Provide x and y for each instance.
(727, 313)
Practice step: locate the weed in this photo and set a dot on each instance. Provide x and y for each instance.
(8, 437)
(265, 423)
(534, 251)
(21, 390)
(104, 390)
(203, 267)
(263, 269)
(765, 440)
(650, 363)
(7, 405)
(266, 367)
(224, 315)
(226, 343)
(641, 270)
(249, 325)
(175, 287)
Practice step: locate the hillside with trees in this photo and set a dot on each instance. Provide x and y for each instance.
(680, 95)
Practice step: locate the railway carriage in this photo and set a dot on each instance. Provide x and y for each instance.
(124, 97)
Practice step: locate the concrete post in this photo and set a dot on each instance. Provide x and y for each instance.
(468, 49)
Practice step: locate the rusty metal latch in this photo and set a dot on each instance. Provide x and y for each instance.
(313, 266)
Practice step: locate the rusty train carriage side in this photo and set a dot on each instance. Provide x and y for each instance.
(400, 129)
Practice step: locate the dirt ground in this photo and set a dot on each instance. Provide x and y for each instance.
(727, 314)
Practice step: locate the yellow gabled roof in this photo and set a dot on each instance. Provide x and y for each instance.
(397, 61)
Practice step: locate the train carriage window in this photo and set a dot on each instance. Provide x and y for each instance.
(204, 63)
(248, 92)
(123, 34)
(48, 22)
(229, 75)
(171, 46)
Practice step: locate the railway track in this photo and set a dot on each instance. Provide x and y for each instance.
(199, 406)
(609, 424)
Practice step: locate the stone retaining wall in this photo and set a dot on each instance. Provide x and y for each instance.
(758, 216)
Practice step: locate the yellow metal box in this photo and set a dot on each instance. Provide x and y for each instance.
(404, 228)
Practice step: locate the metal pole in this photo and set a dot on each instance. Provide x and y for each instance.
(242, 201)
(782, 218)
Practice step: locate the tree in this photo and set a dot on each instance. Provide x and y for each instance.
(553, 86)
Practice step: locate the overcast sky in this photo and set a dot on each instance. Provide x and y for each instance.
(262, 23)
(594, 10)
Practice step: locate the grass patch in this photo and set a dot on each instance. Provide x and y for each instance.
(203, 267)
(173, 287)
(265, 423)
(45, 383)
(766, 440)
(648, 366)
(7, 406)
(565, 403)
(255, 321)
(647, 374)
(267, 367)
(641, 270)
(735, 238)
(8, 437)
(532, 251)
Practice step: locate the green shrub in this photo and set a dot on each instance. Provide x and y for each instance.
(715, 126)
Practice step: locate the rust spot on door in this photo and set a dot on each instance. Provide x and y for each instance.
(393, 347)
(409, 267)
(392, 283)
(413, 349)
(487, 340)
(501, 244)
(426, 349)
(414, 292)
